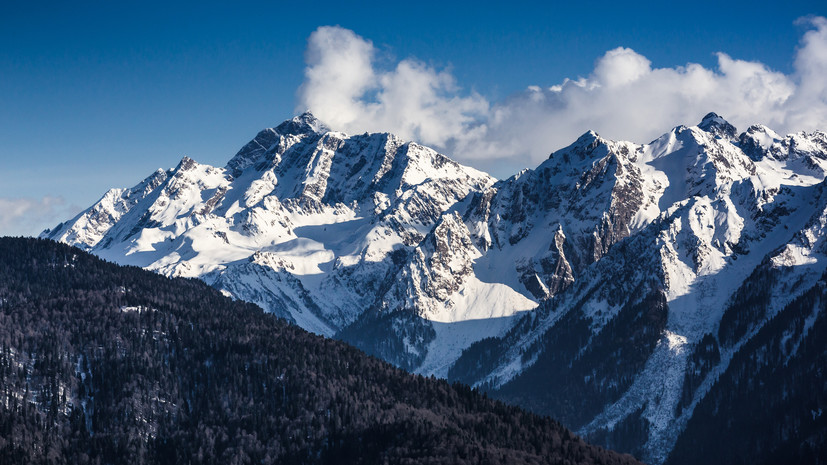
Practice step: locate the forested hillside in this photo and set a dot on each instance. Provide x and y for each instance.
(107, 364)
(768, 405)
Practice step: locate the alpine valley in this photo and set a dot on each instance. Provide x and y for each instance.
(665, 299)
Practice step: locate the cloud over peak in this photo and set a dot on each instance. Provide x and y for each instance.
(345, 88)
(623, 97)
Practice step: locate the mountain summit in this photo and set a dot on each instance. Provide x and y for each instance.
(616, 286)
(718, 126)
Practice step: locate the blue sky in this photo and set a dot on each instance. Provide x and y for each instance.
(96, 95)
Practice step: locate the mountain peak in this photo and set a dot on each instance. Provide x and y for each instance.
(301, 125)
(185, 164)
(588, 137)
(585, 143)
(716, 125)
(305, 123)
(711, 118)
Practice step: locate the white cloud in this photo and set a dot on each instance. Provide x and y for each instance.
(621, 66)
(623, 97)
(28, 216)
(339, 72)
(344, 89)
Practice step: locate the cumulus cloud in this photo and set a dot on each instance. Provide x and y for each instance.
(623, 97)
(29, 216)
(344, 88)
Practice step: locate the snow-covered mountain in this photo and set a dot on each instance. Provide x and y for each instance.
(623, 353)
(606, 287)
(313, 225)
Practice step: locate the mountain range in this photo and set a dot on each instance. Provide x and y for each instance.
(633, 291)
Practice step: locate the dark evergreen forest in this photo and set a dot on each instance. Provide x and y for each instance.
(768, 407)
(107, 364)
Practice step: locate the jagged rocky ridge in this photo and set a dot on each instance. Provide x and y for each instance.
(593, 288)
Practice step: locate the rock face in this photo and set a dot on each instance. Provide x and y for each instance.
(609, 287)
